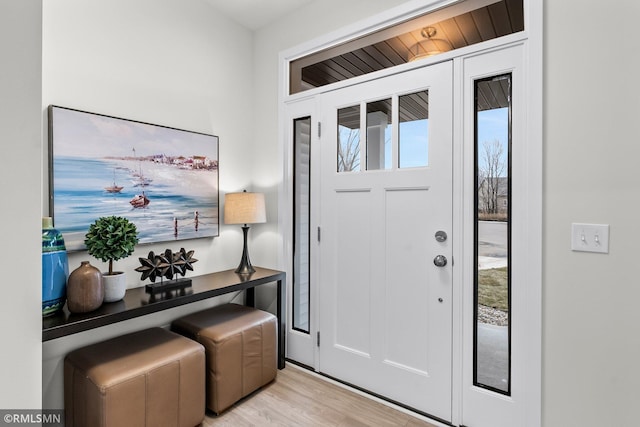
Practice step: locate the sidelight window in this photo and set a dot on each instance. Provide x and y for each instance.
(492, 325)
(301, 221)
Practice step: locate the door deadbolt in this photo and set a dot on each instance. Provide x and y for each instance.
(441, 236)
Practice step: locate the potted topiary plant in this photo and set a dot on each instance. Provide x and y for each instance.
(109, 239)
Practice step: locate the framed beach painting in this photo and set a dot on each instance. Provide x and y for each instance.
(163, 179)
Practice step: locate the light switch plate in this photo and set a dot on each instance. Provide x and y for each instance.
(590, 237)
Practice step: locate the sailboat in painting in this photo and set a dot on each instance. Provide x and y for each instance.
(139, 180)
(115, 188)
(140, 200)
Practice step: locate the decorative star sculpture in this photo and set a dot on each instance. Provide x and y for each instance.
(153, 266)
(174, 264)
(166, 265)
(188, 259)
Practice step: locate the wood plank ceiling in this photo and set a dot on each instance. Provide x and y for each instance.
(486, 23)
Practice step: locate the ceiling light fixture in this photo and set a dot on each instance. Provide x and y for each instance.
(429, 46)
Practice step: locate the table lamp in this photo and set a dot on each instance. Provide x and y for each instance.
(244, 208)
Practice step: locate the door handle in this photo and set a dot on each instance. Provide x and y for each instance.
(440, 261)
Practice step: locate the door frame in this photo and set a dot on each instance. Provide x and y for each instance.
(532, 40)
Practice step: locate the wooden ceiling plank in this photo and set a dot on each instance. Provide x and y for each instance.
(349, 117)
(500, 19)
(449, 30)
(358, 62)
(315, 77)
(415, 105)
(499, 95)
(324, 68)
(336, 70)
(490, 95)
(390, 53)
(417, 102)
(483, 22)
(339, 70)
(364, 57)
(468, 28)
(482, 100)
(379, 57)
(515, 9)
(399, 47)
(409, 113)
(348, 66)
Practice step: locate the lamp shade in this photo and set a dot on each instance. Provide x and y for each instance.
(244, 208)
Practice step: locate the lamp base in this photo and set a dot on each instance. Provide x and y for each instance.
(245, 266)
(245, 269)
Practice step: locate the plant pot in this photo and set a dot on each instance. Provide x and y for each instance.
(115, 286)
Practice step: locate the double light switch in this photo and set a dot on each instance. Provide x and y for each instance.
(590, 237)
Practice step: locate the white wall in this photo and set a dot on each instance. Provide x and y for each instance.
(21, 175)
(591, 346)
(168, 62)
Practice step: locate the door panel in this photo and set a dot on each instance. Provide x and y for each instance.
(404, 350)
(385, 308)
(353, 222)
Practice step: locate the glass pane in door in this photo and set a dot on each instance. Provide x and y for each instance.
(379, 134)
(301, 221)
(413, 136)
(492, 348)
(349, 139)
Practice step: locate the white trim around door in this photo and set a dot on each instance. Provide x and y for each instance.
(471, 406)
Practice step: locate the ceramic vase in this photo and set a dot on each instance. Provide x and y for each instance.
(55, 268)
(115, 286)
(85, 289)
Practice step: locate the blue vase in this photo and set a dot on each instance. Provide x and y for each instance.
(55, 268)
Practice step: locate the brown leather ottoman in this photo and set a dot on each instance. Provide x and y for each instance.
(148, 378)
(241, 349)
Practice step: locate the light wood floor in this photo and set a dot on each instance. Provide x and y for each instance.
(299, 399)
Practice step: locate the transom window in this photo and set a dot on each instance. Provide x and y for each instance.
(453, 27)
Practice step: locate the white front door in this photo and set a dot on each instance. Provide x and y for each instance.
(385, 216)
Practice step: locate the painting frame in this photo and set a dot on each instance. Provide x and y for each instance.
(164, 179)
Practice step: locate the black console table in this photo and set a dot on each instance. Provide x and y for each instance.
(138, 302)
